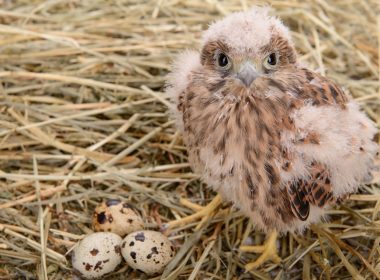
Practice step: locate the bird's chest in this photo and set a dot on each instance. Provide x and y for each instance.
(233, 139)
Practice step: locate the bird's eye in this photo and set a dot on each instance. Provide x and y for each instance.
(272, 59)
(223, 61)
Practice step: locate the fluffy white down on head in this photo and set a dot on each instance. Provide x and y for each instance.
(248, 30)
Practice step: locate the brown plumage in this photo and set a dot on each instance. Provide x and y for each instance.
(280, 141)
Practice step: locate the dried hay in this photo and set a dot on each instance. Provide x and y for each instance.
(83, 118)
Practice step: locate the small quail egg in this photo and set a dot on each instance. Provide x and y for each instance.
(148, 251)
(96, 255)
(116, 216)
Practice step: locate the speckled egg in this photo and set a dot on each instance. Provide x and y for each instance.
(96, 255)
(148, 251)
(117, 216)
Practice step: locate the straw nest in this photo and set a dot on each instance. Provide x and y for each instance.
(84, 118)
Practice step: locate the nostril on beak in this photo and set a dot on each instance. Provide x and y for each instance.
(247, 74)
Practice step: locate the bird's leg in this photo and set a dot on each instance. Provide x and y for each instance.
(268, 252)
(202, 213)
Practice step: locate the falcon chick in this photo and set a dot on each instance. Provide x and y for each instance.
(280, 141)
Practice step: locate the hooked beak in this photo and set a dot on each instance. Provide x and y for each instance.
(247, 74)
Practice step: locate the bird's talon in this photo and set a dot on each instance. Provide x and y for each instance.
(268, 252)
(203, 214)
(193, 206)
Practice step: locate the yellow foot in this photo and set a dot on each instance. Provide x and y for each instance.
(268, 252)
(203, 213)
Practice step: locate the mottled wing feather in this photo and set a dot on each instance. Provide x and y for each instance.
(315, 191)
(298, 199)
(322, 90)
(320, 192)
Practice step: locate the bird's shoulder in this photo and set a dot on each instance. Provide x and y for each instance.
(317, 89)
(180, 76)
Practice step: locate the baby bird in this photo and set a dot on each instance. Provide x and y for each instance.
(280, 141)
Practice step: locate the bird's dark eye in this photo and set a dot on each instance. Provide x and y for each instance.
(222, 60)
(272, 59)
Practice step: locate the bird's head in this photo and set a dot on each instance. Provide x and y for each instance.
(247, 47)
